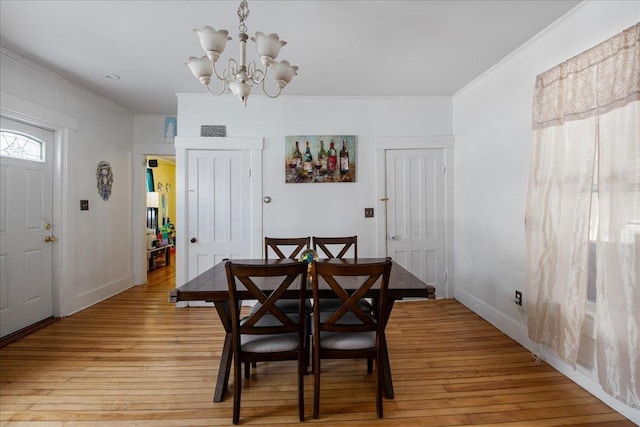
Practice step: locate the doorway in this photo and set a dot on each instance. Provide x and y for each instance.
(140, 153)
(160, 230)
(26, 225)
(415, 213)
(211, 174)
(414, 185)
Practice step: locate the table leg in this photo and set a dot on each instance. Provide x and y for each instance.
(384, 363)
(386, 373)
(224, 369)
(224, 312)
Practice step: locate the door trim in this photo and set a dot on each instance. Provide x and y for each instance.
(447, 144)
(183, 144)
(62, 125)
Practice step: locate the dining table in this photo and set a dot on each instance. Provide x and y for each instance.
(212, 286)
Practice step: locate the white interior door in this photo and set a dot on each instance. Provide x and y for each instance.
(26, 220)
(219, 207)
(415, 213)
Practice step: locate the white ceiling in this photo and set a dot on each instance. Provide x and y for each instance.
(343, 48)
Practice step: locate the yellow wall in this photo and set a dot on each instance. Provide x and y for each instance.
(166, 173)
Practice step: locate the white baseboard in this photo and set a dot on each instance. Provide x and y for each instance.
(584, 377)
(199, 304)
(88, 298)
(245, 303)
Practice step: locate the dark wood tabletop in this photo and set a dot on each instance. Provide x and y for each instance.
(212, 284)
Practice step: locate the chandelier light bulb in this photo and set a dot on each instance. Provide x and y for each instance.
(201, 69)
(268, 46)
(213, 42)
(240, 76)
(284, 73)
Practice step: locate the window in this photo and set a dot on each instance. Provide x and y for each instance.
(629, 186)
(18, 145)
(593, 235)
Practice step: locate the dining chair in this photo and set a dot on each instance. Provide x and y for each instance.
(267, 334)
(279, 245)
(340, 245)
(283, 248)
(349, 332)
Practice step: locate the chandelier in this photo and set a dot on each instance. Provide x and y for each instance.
(240, 77)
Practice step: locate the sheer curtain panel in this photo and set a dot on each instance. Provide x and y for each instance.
(586, 144)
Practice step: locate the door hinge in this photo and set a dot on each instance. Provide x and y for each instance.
(446, 277)
(249, 172)
(444, 169)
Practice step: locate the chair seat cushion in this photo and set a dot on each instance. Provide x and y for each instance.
(269, 343)
(347, 340)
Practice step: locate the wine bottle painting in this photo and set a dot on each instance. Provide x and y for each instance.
(320, 158)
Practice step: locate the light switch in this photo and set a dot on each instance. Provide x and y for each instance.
(84, 205)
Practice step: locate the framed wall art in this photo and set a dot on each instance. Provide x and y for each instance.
(320, 158)
(170, 129)
(104, 177)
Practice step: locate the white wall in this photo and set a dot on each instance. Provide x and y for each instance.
(96, 258)
(319, 209)
(492, 127)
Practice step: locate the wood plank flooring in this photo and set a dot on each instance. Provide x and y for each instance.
(137, 360)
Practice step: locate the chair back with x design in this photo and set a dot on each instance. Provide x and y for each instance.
(268, 333)
(339, 245)
(348, 331)
(278, 244)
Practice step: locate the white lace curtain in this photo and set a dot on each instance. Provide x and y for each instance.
(587, 110)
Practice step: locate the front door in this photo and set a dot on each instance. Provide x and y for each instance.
(26, 225)
(219, 207)
(415, 213)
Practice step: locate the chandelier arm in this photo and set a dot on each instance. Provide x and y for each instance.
(227, 72)
(224, 87)
(264, 89)
(255, 74)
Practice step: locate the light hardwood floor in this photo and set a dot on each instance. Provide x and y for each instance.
(136, 360)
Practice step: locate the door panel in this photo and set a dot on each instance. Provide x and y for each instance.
(415, 213)
(218, 198)
(26, 260)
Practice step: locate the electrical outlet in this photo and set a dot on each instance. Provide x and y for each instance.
(518, 299)
(368, 212)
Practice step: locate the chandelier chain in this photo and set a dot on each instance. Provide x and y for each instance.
(243, 14)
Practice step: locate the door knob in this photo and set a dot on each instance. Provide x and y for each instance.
(193, 240)
(49, 239)
(395, 237)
